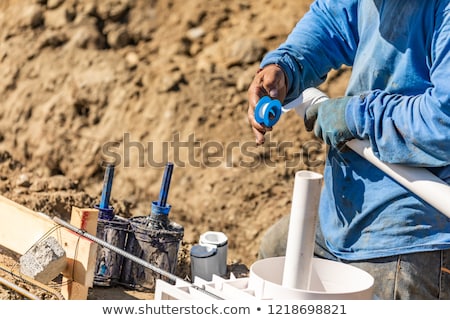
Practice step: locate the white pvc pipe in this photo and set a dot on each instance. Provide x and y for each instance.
(220, 241)
(308, 97)
(302, 227)
(419, 181)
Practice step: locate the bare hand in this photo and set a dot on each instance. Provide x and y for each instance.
(269, 81)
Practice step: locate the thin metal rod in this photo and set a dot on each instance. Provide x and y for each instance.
(19, 290)
(33, 282)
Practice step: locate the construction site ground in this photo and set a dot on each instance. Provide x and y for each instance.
(139, 82)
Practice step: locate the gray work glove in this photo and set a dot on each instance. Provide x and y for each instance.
(327, 118)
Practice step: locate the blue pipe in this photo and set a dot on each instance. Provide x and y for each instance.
(160, 208)
(106, 212)
(164, 191)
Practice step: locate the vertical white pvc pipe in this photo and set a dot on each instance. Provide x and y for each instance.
(302, 227)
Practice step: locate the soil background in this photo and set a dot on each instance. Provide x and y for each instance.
(141, 83)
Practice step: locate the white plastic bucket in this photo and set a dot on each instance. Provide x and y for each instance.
(330, 280)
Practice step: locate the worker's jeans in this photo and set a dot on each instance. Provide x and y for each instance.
(423, 275)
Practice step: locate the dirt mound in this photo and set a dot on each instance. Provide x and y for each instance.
(140, 83)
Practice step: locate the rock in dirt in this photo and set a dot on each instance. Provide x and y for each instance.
(45, 261)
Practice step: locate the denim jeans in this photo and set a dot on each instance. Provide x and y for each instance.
(414, 276)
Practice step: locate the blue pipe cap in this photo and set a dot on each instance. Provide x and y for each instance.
(105, 213)
(157, 209)
(268, 111)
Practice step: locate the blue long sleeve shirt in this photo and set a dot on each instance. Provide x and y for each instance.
(400, 87)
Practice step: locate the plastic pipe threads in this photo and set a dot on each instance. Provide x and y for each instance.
(268, 111)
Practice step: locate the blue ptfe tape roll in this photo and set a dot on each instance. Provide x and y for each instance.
(268, 111)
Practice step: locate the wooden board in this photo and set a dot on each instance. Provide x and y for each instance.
(81, 255)
(21, 228)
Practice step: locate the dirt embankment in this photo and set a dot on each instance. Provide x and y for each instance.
(141, 83)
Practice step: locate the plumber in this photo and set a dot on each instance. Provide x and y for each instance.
(398, 98)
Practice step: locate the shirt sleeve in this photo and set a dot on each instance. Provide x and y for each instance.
(412, 130)
(324, 39)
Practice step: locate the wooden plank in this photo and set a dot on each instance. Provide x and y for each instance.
(82, 266)
(72, 290)
(21, 228)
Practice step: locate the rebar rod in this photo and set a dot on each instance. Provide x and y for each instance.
(19, 290)
(33, 282)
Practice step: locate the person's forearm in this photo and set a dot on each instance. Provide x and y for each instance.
(413, 130)
(324, 39)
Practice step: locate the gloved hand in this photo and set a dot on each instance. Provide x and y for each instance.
(328, 121)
